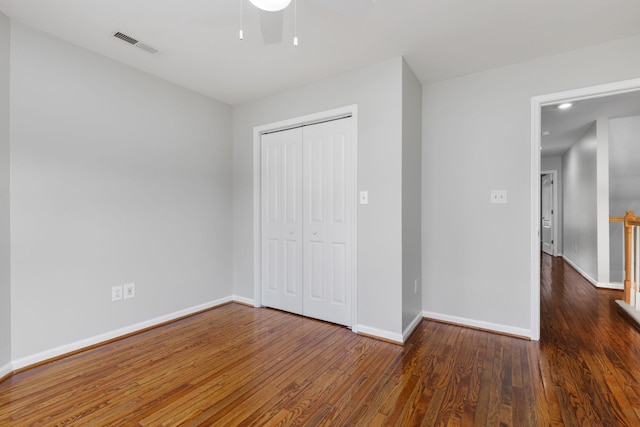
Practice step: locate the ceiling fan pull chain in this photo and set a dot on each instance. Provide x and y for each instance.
(241, 34)
(295, 22)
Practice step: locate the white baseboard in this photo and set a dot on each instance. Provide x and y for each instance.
(614, 286)
(479, 324)
(583, 273)
(409, 329)
(6, 369)
(594, 282)
(243, 300)
(380, 333)
(88, 342)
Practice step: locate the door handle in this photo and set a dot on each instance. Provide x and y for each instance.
(314, 232)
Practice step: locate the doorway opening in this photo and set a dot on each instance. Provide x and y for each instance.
(549, 212)
(537, 103)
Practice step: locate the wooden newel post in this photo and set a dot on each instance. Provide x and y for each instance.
(628, 263)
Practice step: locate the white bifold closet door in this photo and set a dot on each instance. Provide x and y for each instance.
(307, 203)
(282, 220)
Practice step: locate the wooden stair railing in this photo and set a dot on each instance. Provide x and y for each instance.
(630, 282)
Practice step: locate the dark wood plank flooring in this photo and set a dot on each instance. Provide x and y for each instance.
(235, 365)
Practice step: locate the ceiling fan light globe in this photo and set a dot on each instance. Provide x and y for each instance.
(270, 5)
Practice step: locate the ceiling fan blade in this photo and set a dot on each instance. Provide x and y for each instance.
(352, 8)
(271, 25)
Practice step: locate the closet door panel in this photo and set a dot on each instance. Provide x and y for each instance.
(339, 273)
(281, 180)
(315, 271)
(327, 225)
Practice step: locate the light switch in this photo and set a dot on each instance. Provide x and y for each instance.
(364, 197)
(499, 196)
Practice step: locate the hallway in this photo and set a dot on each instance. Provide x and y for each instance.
(589, 353)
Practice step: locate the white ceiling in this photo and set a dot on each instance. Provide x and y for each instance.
(440, 39)
(565, 127)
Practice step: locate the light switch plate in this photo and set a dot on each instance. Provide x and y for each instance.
(129, 290)
(364, 197)
(116, 293)
(498, 196)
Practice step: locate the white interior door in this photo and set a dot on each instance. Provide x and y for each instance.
(328, 199)
(547, 212)
(281, 203)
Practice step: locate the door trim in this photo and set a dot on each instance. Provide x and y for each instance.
(346, 111)
(537, 102)
(555, 215)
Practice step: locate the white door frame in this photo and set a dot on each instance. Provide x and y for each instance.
(537, 102)
(349, 110)
(554, 216)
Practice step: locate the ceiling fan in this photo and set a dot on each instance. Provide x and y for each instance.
(272, 14)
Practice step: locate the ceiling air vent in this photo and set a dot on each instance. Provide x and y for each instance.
(136, 43)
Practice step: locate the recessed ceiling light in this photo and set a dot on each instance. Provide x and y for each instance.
(565, 105)
(270, 5)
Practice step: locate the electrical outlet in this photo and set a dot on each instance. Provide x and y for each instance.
(498, 196)
(116, 293)
(129, 290)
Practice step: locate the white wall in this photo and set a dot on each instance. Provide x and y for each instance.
(602, 200)
(411, 196)
(116, 177)
(477, 137)
(377, 92)
(555, 163)
(624, 182)
(5, 283)
(580, 203)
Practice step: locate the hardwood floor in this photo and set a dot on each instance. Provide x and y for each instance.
(235, 365)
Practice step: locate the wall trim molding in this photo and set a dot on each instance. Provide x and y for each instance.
(612, 286)
(60, 351)
(411, 327)
(6, 371)
(583, 273)
(381, 334)
(479, 324)
(594, 282)
(243, 300)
